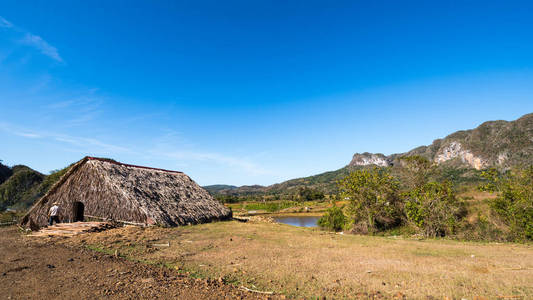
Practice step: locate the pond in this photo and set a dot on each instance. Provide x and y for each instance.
(300, 221)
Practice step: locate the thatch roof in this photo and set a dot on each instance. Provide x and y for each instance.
(122, 192)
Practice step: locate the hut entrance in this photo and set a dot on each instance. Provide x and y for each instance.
(77, 211)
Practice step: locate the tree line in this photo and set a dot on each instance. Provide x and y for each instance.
(300, 195)
(378, 202)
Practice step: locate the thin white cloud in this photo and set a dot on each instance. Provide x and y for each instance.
(165, 146)
(235, 162)
(90, 145)
(5, 23)
(62, 104)
(41, 45)
(33, 40)
(82, 109)
(14, 130)
(28, 135)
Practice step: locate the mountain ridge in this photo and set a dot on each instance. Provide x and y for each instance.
(21, 186)
(501, 144)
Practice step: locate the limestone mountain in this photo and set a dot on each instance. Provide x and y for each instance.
(500, 144)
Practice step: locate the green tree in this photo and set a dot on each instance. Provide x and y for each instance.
(308, 194)
(333, 219)
(515, 201)
(434, 209)
(374, 202)
(416, 170)
(222, 198)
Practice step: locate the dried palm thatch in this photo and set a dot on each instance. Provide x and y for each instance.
(121, 192)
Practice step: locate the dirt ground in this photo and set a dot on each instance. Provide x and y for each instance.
(213, 261)
(307, 263)
(36, 268)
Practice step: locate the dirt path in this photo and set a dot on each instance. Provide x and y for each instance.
(31, 269)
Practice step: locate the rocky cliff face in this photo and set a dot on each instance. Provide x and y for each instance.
(455, 150)
(365, 159)
(493, 144)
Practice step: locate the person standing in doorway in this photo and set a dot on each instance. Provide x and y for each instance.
(53, 214)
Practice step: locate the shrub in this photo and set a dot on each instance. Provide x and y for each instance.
(434, 209)
(309, 194)
(374, 202)
(515, 202)
(333, 219)
(416, 170)
(482, 229)
(228, 198)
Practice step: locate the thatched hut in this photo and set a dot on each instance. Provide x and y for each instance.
(106, 189)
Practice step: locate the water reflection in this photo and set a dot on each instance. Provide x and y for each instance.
(300, 221)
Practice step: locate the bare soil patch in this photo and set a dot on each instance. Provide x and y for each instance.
(56, 268)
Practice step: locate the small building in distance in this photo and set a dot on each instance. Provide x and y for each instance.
(105, 189)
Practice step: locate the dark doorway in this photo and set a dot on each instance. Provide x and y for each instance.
(77, 211)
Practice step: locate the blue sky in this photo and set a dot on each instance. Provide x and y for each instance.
(253, 92)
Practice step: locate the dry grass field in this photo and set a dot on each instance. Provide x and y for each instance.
(303, 262)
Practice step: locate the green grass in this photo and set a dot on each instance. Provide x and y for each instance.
(270, 206)
(6, 217)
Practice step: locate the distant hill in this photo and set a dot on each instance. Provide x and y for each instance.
(325, 182)
(460, 156)
(216, 188)
(5, 173)
(19, 188)
(24, 186)
(234, 190)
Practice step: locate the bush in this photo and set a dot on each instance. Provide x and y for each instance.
(309, 194)
(228, 198)
(374, 202)
(416, 170)
(333, 219)
(482, 229)
(515, 202)
(434, 209)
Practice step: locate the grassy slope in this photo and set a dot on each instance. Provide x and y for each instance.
(26, 186)
(216, 188)
(301, 262)
(5, 173)
(325, 182)
(18, 190)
